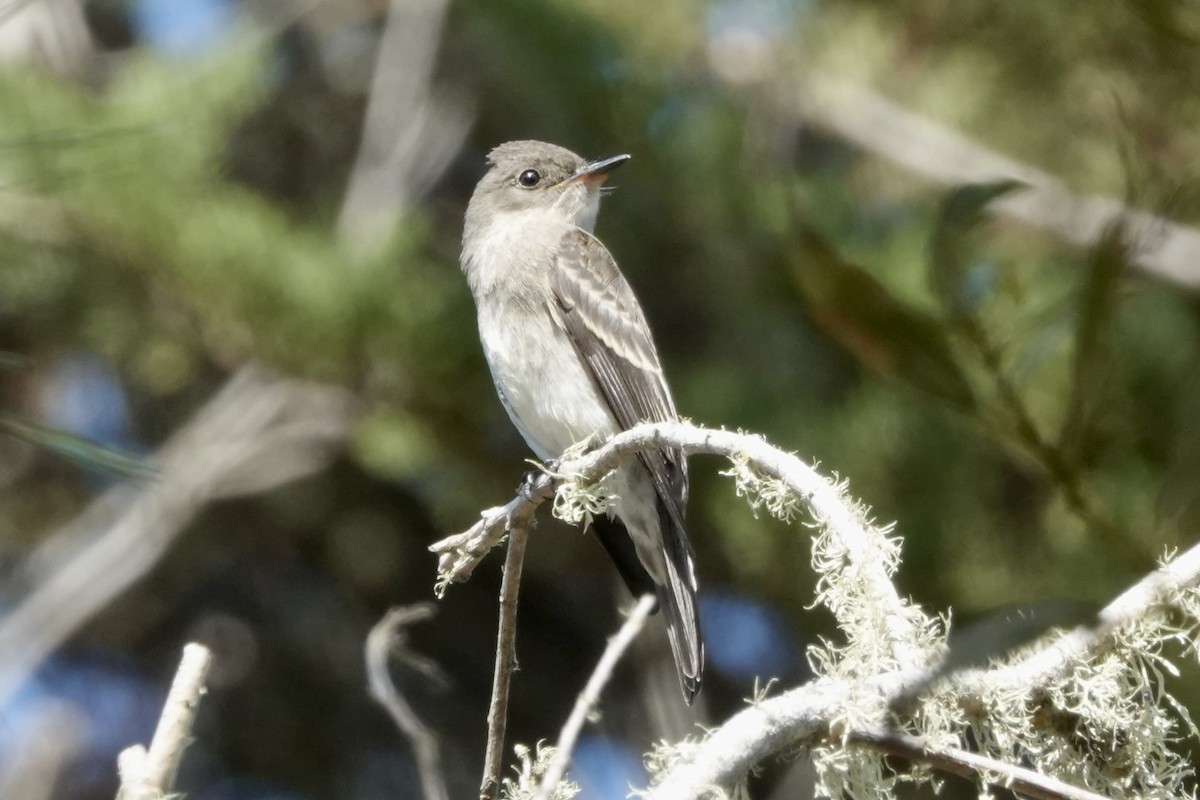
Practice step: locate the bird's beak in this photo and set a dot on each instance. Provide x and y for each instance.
(595, 173)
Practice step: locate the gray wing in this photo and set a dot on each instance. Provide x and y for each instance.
(598, 310)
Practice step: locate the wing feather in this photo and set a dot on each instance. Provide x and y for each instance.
(598, 310)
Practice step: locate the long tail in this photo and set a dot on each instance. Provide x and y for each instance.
(677, 596)
(677, 599)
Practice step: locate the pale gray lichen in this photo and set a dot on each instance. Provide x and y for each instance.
(665, 756)
(578, 499)
(1107, 724)
(762, 491)
(531, 769)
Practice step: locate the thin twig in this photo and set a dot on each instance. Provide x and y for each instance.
(590, 695)
(150, 774)
(966, 764)
(506, 662)
(385, 640)
(458, 555)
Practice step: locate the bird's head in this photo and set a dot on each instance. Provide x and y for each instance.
(531, 175)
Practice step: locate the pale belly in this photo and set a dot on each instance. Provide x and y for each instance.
(548, 394)
(554, 403)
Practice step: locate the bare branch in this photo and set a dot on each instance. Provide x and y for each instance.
(590, 695)
(150, 775)
(458, 555)
(506, 662)
(966, 764)
(386, 639)
(260, 431)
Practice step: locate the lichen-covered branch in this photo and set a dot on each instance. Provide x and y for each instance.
(458, 555)
(771, 478)
(1173, 584)
(1102, 682)
(1006, 698)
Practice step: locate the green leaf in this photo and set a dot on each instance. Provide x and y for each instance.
(1092, 363)
(850, 306)
(960, 213)
(1179, 493)
(84, 452)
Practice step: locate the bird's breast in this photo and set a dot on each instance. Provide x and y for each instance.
(545, 387)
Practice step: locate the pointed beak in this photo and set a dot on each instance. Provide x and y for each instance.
(595, 173)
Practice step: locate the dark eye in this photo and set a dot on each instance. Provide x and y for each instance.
(529, 178)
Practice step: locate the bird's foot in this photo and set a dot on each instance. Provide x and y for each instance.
(531, 483)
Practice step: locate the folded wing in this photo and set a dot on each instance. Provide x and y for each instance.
(598, 310)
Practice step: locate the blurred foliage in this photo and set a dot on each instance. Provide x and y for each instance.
(1024, 410)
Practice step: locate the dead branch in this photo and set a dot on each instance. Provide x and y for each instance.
(387, 639)
(590, 695)
(506, 662)
(150, 774)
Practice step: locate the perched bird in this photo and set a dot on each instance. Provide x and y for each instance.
(572, 356)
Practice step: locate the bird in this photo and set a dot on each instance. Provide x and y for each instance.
(572, 357)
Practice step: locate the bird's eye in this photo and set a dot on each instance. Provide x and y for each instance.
(529, 178)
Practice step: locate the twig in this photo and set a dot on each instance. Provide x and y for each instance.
(150, 775)
(506, 662)
(458, 555)
(260, 431)
(386, 639)
(966, 764)
(591, 694)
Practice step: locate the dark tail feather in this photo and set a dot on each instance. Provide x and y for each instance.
(613, 534)
(677, 597)
(678, 601)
